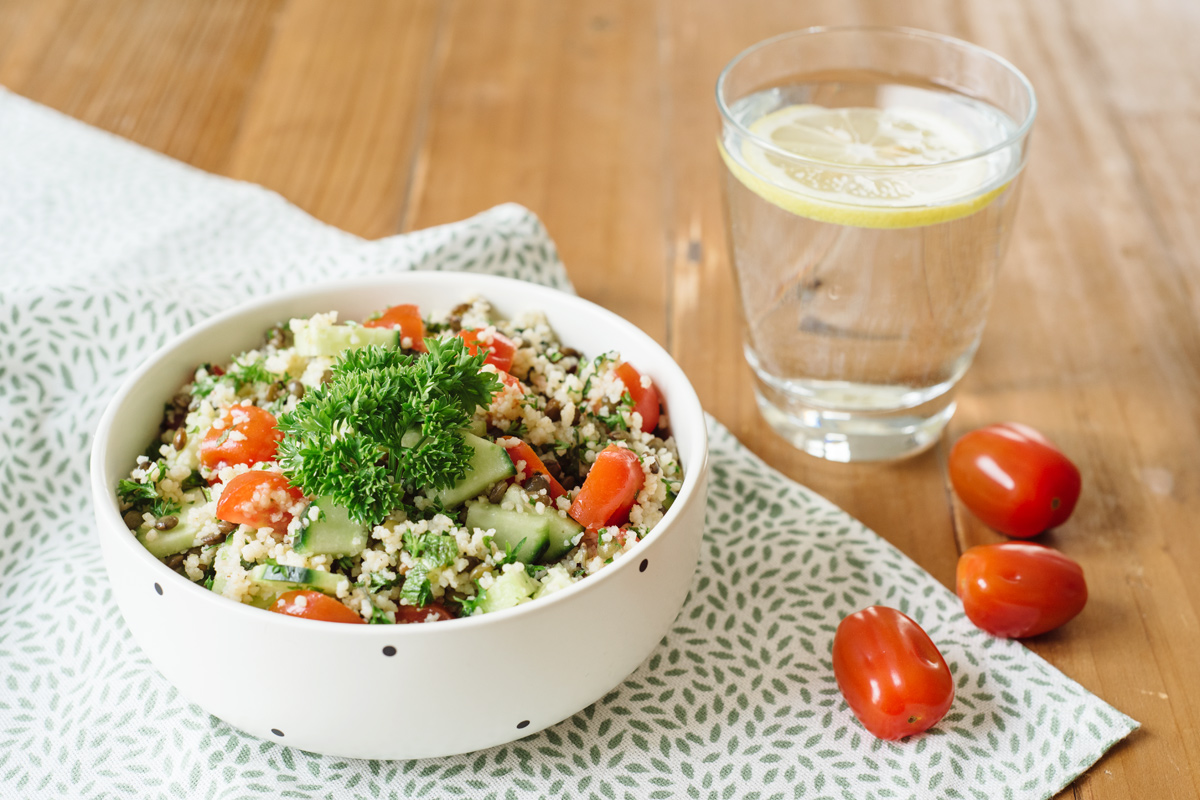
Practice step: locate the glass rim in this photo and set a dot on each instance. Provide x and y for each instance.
(1018, 133)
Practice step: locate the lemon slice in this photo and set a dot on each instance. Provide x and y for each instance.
(849, 175)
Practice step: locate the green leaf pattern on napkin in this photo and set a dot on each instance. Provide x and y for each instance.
(737, 701)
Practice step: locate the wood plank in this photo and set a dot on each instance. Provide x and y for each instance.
(336, 111)
(143, 69)
(556, 106)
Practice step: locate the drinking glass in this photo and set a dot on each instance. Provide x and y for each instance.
(872, 178)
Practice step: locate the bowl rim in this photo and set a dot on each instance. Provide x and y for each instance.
(106, 507)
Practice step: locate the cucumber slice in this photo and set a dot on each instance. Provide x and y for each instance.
(332, 533)
(510, 589)
(280, 579)
(180, 538)
(562, 531)
(528, 534)
(489, 463)
(330, 340)
(224, 561)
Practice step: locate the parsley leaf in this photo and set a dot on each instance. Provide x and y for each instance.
(239, 375)
(379, 617)
(145, 497)
(469, 604)
(510, 554)
(385, 427)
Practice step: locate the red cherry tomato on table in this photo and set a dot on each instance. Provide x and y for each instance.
(610, 489)
(314, 605)
(645, 398)
(407, 318)
(1014, 479)
(258, 499)
(434, 612)
(500, 350)
(247, 435)
(891, 673)
(1019, 589)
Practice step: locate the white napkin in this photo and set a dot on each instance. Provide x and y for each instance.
(107, 249)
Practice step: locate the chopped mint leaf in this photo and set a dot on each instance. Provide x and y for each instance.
(379, 617)
(416, 590)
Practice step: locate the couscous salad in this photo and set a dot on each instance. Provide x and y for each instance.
(407, 468)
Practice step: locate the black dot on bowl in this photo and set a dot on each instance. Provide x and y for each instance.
(389, 651)
(158, 588)
(642, 566)
(276, 731)
(523, 724)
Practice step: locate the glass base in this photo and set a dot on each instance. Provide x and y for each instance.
(855, 435)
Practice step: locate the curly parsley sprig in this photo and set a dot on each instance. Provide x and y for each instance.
(385, 427)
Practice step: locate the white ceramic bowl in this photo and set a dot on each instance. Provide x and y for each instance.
(445, 688)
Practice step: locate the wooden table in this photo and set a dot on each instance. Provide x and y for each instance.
(381, 116)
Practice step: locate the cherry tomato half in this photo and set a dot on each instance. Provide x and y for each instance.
(1019, 589)
(500, 350)
(610, 489)
(891, 673)
(434, 612)
(519, 451)
(407, 318)
(1014, 479)
(645, 398)
(314, 605)
(247, 435)
(258, 499)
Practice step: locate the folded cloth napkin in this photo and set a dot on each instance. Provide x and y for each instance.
(107, 249)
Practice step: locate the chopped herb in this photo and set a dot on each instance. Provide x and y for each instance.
(431, 551)
(344, 564)
(554, 356)
(379, 617)
(417, 590)
(386, 427)
(239, 375)
(380, 581)
(434, 549)
(194, 481)
(144, 497)
(510, 554)
(470, 604)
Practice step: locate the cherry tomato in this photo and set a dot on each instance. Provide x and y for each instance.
(258, 499)
(407, 318)
(247, 435)
(1019, 589)
(645, 398)
(610, 489)
(891, 673)
(519, 451)
(1014, 479)
(314, 606)
(500, 350)
(434, 612)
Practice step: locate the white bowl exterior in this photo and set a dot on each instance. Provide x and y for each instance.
(450, 687)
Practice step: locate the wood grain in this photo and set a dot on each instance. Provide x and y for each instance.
(599, 115)
(555, 106)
